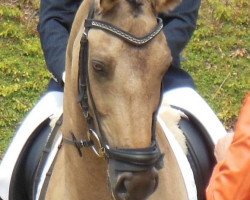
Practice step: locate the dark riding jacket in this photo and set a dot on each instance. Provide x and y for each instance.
(56, 17)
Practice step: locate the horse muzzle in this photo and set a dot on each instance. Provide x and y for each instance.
(133, 174)
(134, 185)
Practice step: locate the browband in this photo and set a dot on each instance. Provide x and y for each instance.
(92, 23)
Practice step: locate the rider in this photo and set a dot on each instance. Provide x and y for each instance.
(56, 17)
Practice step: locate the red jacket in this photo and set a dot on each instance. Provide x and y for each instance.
(231, 177)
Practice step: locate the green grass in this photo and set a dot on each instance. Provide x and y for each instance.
(217, 57)
(23, 77)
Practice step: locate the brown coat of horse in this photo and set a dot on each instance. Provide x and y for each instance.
(125, 82)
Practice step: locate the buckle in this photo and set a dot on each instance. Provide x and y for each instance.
(97, 147)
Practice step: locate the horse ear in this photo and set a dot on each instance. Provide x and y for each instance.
(164, 5)
(106, 5)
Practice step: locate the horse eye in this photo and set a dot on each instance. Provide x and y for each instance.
(98, 66)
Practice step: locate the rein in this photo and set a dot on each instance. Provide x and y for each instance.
(135, 159)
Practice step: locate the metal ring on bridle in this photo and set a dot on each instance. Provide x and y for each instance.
(97, 147)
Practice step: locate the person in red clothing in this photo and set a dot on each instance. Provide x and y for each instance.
(231, 176)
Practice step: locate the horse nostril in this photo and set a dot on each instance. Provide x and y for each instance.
(121, 190)
(135, 185)
(122, 185)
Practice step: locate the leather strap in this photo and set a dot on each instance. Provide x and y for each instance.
(91, 23)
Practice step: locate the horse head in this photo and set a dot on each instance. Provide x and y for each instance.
(123, 58)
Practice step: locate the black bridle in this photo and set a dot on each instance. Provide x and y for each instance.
(133, 159)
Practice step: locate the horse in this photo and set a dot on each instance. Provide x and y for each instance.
(117, 137)
(112, 93)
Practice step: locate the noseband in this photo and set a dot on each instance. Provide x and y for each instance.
(133, 159)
